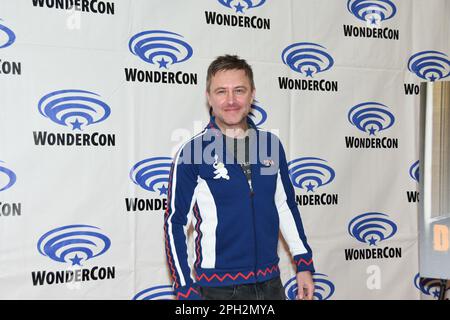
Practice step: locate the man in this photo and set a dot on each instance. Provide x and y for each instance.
(232, 180)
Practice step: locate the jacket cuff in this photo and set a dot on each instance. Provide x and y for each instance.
(304, 262)
(188, 293)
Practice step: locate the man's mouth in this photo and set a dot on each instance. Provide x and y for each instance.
(233, 108)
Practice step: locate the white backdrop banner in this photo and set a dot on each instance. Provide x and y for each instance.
(94, 104)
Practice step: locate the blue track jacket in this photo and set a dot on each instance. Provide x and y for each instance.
(236, 223)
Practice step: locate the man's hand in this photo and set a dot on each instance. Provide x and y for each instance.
(305, 286)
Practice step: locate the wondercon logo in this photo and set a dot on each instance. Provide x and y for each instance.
(371, 117)
(152, 174)
(73, 244)
(257, 114)
(7, 178)
(74, 108)
(241, 5)
(307, 58)
(372, 12)
(310, 173)
(372, 227)
(429, 287)
(164, 292)
(7, 36)
(323, 288)
(414, 171)
(430, 65)
(159, 46)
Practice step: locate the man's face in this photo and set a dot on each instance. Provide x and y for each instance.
(230, 96)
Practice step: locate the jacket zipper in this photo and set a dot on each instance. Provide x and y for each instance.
(252, 193)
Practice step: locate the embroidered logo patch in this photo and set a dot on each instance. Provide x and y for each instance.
(221, 171)
(268, 162)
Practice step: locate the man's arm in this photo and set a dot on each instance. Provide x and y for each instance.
(292, 229)
(180, 199)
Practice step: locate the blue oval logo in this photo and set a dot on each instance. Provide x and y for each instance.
(414, 171)
(152, 174)
(74, 108)
(310, 173)
(371, 117)
(307, 58)
(430, 65)
(164, 292)
(74, 243)
(159, 46)
(323, 287)
(10, 36)
(371, 11)
(429, 287)
(257, 114)
(242, 4)
(371, 228)
(7, 178)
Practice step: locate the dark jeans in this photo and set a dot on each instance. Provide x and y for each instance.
(268, 290)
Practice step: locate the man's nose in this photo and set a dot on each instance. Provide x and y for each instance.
(231, 97)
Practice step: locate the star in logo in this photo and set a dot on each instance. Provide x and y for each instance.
(76, 124)
(436, 293)
(432, 78)
(309, 72)
(372, 131)
(373, 21)
(163, 63)
(310, 187)
(163, 190)
(372, 241)
(239, 8)
(76, 260)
